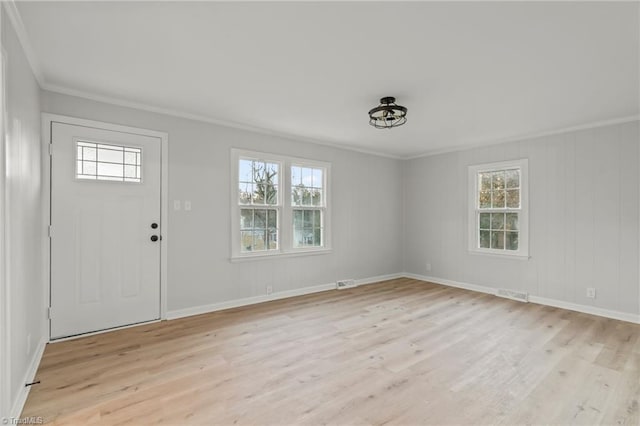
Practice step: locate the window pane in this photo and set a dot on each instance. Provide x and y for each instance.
(485, 220)
(246, 218)
(497, 199)
(484, 239)
(318, 180)
(88, 153)
(497, 220)
(308, 218)
(272, 239)
(485, 181)
(110, 170)
(130, 171)
(306, 197)
(271, 194)
(272, 173)
(497, 240)
(513, 198)
(259, 239)
(485, 199)
(512, 241)
(316, 197)
(260, 219)
(513, 178)
(245, 190)
(511, 222)
(245, 171)
(296, 176)
(111, 155)
(272, 219)
(307, 177)
(246, 241)
(297, 218)
(258, 194)
(317, 237)
(298, 238)
(317, 223)
(497, 180)
(296, 195)
(89, 168)
(130, 158)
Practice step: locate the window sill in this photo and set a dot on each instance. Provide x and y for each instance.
(500, 255)
(279, 255)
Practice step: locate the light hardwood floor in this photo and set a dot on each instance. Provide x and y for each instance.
(400, 352)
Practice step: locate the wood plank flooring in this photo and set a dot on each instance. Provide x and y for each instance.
(400, 352)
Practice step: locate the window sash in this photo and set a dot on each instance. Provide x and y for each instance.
(252, 230)
(313, 228)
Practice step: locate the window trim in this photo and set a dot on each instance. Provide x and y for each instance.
(284, 207)
(523, 211)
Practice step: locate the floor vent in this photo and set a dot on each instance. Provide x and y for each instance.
(342, 284)
(513, 294)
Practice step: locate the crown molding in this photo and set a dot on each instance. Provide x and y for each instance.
(18, 25)
(491, 142)
(202, 118)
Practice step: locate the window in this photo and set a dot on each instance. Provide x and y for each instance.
(108, 162)
(498, 217)
(259, 199)
(307, 200)
(279, 205)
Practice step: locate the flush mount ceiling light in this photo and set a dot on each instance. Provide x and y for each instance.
(387, 114)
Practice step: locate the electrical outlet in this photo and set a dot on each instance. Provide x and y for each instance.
(269, 289)
(428, 267)
(591, 292)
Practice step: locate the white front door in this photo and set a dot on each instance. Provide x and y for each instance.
(105, 235)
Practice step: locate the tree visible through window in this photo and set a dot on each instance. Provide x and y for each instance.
(258, 194)
(498, 222)
(280, 205)
(307, 188)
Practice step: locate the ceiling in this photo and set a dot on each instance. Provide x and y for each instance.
(469, 73)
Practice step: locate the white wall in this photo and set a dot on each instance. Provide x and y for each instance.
(24, 232)
(583, 218)
(366, 207)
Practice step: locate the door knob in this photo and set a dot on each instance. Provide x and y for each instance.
(154, 225)
(154, 238)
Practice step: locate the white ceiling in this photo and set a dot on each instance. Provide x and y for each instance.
(469, 73)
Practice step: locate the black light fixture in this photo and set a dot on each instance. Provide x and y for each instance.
(387, 114)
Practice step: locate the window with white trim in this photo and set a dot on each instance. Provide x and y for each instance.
(498, 216)
(308, 203)
(279, 205)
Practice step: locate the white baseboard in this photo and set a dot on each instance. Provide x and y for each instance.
(29, 376)
(203, 309)
(607, 313)
(593, 310)
(377, 279)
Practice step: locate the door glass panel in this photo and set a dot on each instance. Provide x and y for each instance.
(108, 162)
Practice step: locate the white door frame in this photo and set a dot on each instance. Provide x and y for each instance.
(47, 120)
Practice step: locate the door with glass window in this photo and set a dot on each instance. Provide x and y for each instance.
(105, 229)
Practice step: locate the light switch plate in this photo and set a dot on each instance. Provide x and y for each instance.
(176, 204)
